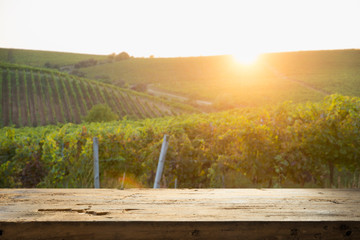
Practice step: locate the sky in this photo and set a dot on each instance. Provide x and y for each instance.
(172, 28)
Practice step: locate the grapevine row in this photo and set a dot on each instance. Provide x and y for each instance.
(1, 95)
(17, 94)
(40, 97)
(304, 144)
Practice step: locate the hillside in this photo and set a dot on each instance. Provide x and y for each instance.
(218, 79)
(276, 77)
(331, 72)
(38, 58)
(295, 76)
(35, 96)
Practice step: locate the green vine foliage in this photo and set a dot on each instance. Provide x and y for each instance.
(258, 147)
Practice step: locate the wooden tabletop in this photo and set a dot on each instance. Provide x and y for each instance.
(180, 206)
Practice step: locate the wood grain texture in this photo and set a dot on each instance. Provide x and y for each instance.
(179, 214)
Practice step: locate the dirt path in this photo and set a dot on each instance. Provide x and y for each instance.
(304, 84)
(156, 92)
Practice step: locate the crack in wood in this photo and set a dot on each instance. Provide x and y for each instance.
(325, 200)
(129, 210)
(85, 211)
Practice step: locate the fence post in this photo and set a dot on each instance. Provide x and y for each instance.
(96, 162)
(160, 166)
(339, 182)
(123, 180)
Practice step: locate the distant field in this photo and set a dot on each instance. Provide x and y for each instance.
(330, 71)
(36, 97)
(39, 58)
(277, 77)
(219, 79)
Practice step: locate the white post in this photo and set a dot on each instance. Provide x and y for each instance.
(160, 166)
(96, 162)
(123, 180)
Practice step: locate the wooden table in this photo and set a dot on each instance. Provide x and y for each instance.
(179, 214)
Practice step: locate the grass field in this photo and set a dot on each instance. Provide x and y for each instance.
(218, 79)
(39, 58)
(330, 71)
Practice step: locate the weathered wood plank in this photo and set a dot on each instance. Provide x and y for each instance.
(181, 230)
(179, 213)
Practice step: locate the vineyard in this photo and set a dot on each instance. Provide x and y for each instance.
(216, 78)
(276, 77)
(267, 142)
(36, 97)
(304, 145)
(328, 71)
(40, 58)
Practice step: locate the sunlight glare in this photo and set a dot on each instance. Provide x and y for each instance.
(246, 58)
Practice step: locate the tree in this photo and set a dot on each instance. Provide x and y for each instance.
(111, 56)
(101, 113)
(122, 56)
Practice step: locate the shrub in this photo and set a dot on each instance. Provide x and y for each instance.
(86, 63)
(101, 113)
(140, 87)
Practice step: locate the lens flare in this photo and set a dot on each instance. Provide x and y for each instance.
(246, 58)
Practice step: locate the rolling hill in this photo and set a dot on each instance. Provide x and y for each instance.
(38, 58)
(336, 71)
(276, 77)
(35, 96)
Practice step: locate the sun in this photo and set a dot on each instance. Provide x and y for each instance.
(246, 57)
